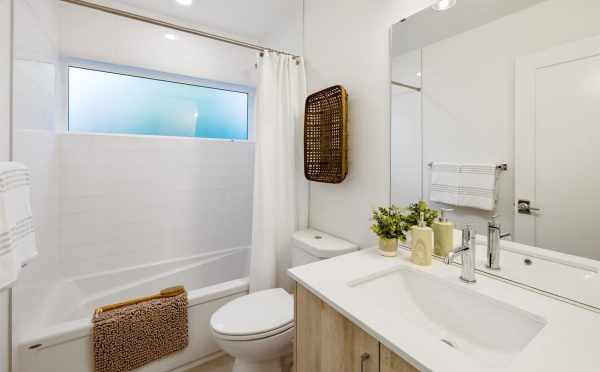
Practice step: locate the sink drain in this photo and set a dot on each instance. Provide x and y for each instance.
(449, 343)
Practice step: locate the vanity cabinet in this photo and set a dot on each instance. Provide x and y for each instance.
(391, 362)
(328, 342)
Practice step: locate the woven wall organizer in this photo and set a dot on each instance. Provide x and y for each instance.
(326, 135)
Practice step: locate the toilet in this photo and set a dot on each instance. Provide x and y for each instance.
(257, 329)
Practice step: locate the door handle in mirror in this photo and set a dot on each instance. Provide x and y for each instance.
(363, 361)
(524, 207)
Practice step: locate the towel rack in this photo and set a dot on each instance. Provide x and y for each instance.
(501, 167)
(165, 293)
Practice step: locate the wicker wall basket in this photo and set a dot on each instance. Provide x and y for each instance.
(326, 136)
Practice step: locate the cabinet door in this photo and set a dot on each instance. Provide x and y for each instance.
(328, 342)
(390, 362)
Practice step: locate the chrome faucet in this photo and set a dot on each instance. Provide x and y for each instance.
(467, 252)
(493, 244)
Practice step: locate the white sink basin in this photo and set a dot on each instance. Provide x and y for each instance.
(490, 332)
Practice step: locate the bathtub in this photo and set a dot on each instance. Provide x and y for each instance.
(53, 322)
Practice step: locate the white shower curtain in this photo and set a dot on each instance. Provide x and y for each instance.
(280, 191)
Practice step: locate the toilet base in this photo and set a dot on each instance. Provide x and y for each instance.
(266, 366)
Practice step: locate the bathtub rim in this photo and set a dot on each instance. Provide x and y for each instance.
(81, 328)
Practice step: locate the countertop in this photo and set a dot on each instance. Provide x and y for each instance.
(569, 341)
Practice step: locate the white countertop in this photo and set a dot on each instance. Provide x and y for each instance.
(572, 277)
(570, 341)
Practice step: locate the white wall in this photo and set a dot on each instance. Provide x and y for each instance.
(5, 63)
(97, 36)
(406, 131)
(34, 143)
(468, 85)
(347, 42)
(405, 150)
(34, 112)
(130, 200)
(5, 342)
(272, 23)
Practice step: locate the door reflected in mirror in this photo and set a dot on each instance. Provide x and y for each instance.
(495, 111)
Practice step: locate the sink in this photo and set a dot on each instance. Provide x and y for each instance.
(490, 332)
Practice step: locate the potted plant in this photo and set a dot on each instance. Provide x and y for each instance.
(414, 214)
(390, 226)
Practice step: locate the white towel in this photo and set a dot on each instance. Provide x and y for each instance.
(465, 185)
(17, 235)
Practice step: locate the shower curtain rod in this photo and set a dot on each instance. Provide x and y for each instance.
(158, 22)
(406, 86)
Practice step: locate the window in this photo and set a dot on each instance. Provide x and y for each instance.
(107, 102)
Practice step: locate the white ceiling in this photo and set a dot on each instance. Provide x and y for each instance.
(430, 26)
(255, 20)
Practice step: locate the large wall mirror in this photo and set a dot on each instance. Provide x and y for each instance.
(496, 112)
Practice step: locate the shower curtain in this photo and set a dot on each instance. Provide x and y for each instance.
(280, 190)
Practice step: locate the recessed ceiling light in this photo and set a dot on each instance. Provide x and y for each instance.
(185, 2)
(170, 36)
(444, 5)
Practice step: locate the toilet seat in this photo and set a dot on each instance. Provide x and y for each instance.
(254, 337)
(256, 316)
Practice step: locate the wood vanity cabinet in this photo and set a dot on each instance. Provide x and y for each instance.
(391, 362)
(328, 342)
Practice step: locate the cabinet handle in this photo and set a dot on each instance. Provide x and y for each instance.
(363, 361)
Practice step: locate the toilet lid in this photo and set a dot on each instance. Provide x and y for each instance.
(257, 313)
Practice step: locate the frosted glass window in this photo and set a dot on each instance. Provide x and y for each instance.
(104, 102)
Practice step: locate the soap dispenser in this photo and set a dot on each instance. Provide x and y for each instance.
(443, 235)
(422, 243)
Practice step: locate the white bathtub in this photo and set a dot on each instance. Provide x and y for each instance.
(53, 323)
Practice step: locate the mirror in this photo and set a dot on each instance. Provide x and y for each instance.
(495, 110)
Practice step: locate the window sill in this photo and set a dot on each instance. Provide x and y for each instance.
(149, 137)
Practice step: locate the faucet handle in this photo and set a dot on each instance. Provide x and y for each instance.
(467, 232)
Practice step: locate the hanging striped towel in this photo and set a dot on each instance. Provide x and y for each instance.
(465, 185)
(17, 235)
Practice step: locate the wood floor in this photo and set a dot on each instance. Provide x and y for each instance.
(225, 364)
(222, 364)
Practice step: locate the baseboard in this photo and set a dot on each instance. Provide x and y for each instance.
(199, 362)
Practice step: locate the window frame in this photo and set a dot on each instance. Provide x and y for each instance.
(166, 77)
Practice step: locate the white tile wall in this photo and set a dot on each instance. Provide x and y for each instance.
(38, 149)
(5, 67)
(34, 138)
(129, 200)
(5, 47)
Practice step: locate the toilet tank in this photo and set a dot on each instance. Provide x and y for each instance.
(310, 246)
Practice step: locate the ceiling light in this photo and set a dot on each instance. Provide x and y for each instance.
(185, 2)
(444, 5)
(170, 36)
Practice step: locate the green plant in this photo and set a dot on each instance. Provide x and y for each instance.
(412, 219)
(389, 223)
